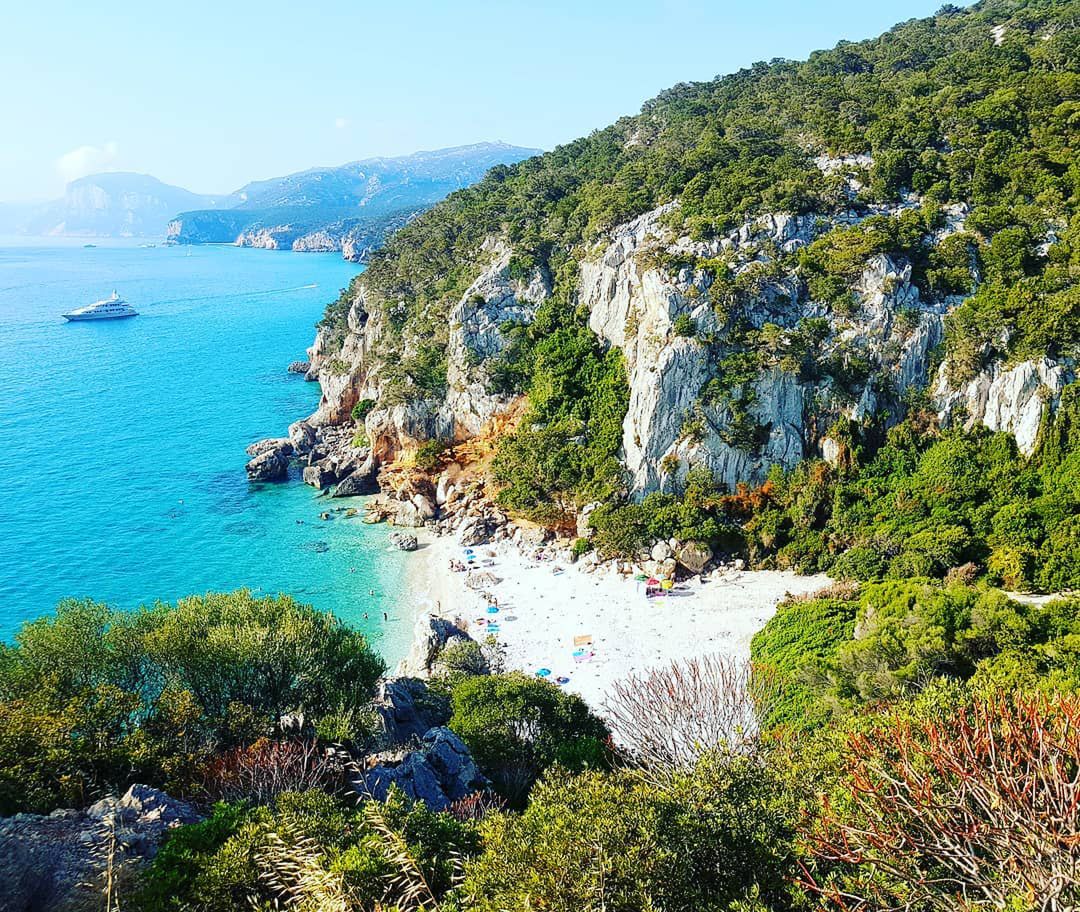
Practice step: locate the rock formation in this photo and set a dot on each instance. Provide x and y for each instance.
(57, 863)
(439, 773)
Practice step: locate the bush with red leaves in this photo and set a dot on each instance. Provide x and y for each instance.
(977, 811)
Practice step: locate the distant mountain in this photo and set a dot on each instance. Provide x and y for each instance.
(350, 207)
(113, 204)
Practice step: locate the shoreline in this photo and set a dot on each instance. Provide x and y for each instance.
(547, 609)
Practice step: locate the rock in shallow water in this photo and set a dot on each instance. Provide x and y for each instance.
(281, 445)
(318, 476)
(268, 466)
(357, 484)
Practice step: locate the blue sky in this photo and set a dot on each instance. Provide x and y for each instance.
(210, 95)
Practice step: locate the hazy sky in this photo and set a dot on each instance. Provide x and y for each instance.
(211, 95)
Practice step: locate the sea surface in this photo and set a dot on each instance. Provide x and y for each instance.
(122, 442)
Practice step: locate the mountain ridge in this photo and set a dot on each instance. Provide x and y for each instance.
(112, 203)
(349, 207)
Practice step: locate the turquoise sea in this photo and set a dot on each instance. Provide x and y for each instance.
(122, 442)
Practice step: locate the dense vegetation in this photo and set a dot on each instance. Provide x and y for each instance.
(951, 689)
(94, 698)
(929, 502)
(944, 110)
(892, 714)
(890, 641)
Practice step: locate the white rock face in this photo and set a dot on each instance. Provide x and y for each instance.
(1005, 400)
(635, 300)
(349, 370)
(633, 304)
(493, 300)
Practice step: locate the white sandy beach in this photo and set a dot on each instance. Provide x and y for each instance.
(541, 612)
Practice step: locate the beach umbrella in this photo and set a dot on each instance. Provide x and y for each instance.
(652, 581)
(641, 577)
(667, 584)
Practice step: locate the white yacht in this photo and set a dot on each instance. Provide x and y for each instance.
(112, 308)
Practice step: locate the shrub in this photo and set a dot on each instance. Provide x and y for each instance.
(362, 409)
(308, 850)
(859, 563)
(517, 726)
(717, 836)
(428, 453)
(581, 547)
(93, 697)
(684, 326)
(958, 793)
(669, 717)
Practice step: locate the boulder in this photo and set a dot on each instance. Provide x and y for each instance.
(355, 485)
(318, 476)
(404, 541)
(299, 367)
(406, 514)
(533, 534)
(280, 445)
(661, 551)
(59, 862)
(302, 436)
(476, 530)
(441, 772)
(269, 465)
(425, 508)
(431, 636)
(693, 556)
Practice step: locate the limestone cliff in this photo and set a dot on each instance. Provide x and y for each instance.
(644, 296)
(354, 368)
(781, 262)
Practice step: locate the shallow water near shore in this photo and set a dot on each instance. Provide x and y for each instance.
(122, 461)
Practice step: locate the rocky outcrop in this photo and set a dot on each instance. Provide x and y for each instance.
(1011, 400)
(57, 863)
(405, 711)
(431, 636)
(441, 772)
(650, 293)
(477, 337)
(349, 369)
(269, 459)
(644, 308)
(299, 367)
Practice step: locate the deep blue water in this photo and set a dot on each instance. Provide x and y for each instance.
(122, 442)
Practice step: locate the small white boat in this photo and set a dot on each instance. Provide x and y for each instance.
(112, 308)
